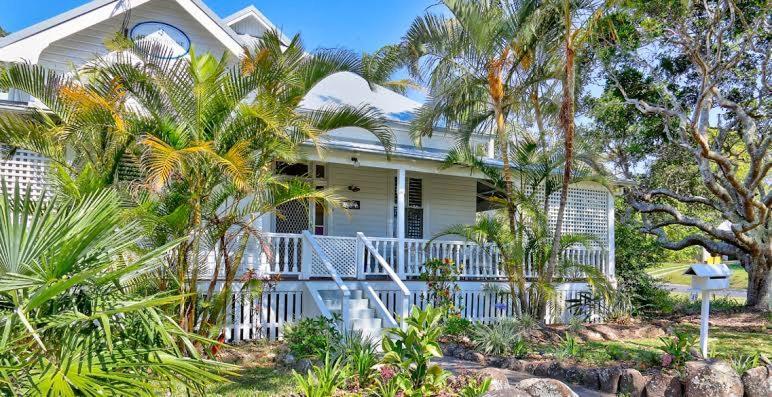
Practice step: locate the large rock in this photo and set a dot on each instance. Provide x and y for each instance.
(496, 361)
(303, 365)
(609, 379)
(541, 387)
(664, 385)
(539, 368)
(590, 378)
(757, 382)
(498, 377)
(631, 383)
(514, 364)
(712, 379)
(571, 374)
(508, 392)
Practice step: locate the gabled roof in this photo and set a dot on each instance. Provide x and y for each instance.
(119, 7)
(252, 12)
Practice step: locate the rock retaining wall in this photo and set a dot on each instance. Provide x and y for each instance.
(707, 378)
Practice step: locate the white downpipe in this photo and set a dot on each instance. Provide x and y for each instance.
(345, 293)
(401, 222)
(405, 309)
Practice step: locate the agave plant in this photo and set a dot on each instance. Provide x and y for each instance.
(74, 316)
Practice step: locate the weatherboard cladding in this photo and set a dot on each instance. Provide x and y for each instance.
(79, 48)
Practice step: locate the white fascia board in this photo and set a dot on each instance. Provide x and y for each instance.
(252, 11)
(27, 44)
(212, 23)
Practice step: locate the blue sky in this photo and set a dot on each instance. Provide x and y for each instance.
(354, 24)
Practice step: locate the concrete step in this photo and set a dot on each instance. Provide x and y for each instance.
(353, 304)
(366, 324)
(360, 313)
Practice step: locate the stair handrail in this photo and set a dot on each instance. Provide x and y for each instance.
(344, 290)
(392, 274)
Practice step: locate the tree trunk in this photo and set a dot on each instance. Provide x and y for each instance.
(758, 281)
(567, 123)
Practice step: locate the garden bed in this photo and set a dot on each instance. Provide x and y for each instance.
(631, 358)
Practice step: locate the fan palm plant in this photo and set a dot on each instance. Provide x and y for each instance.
(74, 315)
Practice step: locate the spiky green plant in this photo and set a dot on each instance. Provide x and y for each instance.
(73, 315)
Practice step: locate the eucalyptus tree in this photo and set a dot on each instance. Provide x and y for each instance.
(705, 79)
(74, 312)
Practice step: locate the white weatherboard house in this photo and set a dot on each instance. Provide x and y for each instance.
(364, 263)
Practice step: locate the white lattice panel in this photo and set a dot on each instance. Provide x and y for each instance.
(341, 251)
(25, 167)
(586, 212)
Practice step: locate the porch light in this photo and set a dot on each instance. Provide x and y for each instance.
(355, 161)
(354, 188)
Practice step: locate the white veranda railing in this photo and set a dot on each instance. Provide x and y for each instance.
(283, 254)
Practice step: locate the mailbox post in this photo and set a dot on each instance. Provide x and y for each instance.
(707, 278)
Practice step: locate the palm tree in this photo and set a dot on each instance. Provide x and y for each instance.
(527, 250)
(208, 135)
(470, 62)
(198, 138)
(74, 310)
(83, 128)
(579, 21)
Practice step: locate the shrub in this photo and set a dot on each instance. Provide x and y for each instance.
(568, 347)
(411, 350)
(469, 385)
(322, 381)
(456, 326)
(744, 362)
(359, 353)
(677, 349)
(312, 337)
(441, 276)
(496, 338)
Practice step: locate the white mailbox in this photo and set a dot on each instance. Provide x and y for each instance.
(706, 277)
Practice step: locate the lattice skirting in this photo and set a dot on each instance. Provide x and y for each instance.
(253, 318)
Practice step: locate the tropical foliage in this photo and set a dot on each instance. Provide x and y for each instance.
(76, 315)
(191, 142)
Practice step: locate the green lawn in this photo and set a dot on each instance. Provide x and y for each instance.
(674, 273)
(258, 382)
(259, 376)
(722, 343)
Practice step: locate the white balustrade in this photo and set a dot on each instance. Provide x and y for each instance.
(282, 254)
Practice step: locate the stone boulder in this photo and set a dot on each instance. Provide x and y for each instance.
(541, 387)
(664, 385)
(631, 383)
(498, 378)
(571, 373)
(712, 379)
(514, 364)
(303, 365)
(609, 379)
(757, 382)
(508, 392)
(590, 378)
